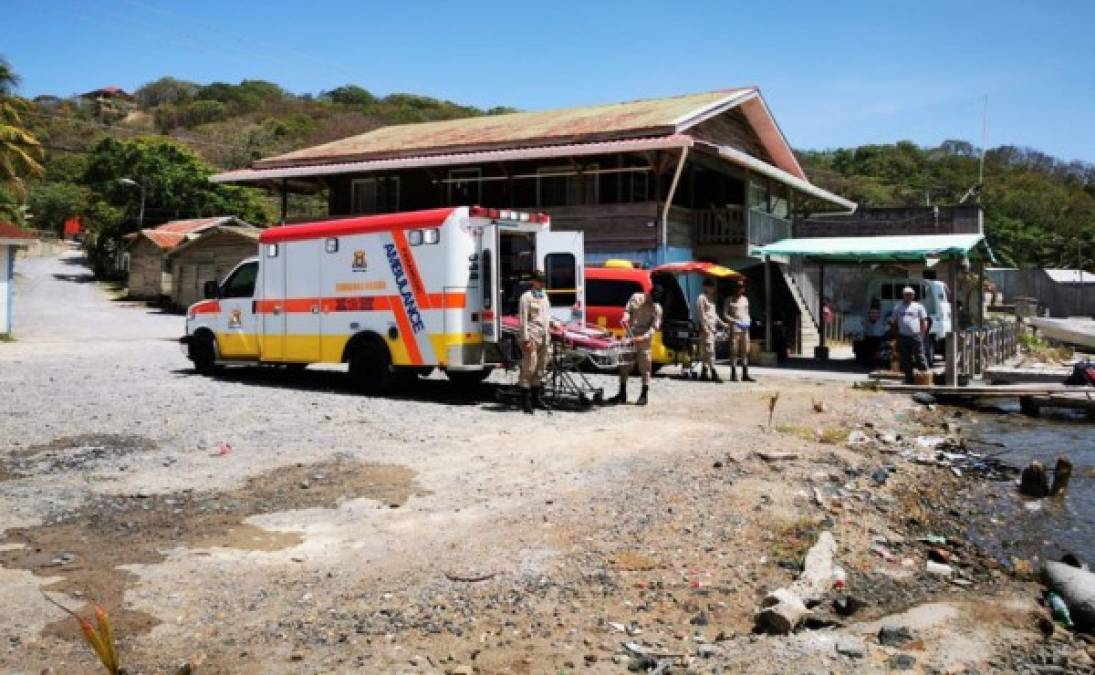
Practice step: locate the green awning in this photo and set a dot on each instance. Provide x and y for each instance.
(913, 248)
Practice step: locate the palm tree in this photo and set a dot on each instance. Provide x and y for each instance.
(20, 151)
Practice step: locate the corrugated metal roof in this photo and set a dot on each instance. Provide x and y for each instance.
(601, 122)
(243, 230)
(190, 225)
(9, 232)
(1070, 276)
(164, 240)
(888, 248)
(516, 154)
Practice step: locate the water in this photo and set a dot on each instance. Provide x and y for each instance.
(1038, 528)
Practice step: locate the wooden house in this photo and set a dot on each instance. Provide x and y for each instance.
(701, 176)
(208, 257)
(146, 253)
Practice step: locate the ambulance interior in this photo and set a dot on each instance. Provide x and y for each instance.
(516, 263)
(676, 314)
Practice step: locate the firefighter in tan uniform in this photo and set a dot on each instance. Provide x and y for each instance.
(735, 311)
(709, 323)
(642, 318)
(535, 338)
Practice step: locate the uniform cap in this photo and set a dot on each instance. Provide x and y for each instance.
(908, 289)
(537, 275)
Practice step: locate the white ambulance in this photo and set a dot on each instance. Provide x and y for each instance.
(392, 295)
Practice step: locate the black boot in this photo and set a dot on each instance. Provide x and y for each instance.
(715, 376)
(703, 376)
(745, 373)
(621, 396)
(538, 399)
(642, 396)
(526, 401)
(733, 373)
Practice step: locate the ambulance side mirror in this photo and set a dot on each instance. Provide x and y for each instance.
(211, 290)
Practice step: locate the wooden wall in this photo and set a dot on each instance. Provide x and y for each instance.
(731, 128)
(145, 270)
(872, 222)
(210, 258)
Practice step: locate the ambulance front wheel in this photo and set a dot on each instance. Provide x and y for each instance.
(370, 367)
(203, 353)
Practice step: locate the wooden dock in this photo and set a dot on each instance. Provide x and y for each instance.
(1032, 396)
(990, 390)
(1016, 375)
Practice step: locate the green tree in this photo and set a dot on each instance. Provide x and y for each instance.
(52, 204)
(165, 90)
(176, 183)
(20, 151)
(348, 94)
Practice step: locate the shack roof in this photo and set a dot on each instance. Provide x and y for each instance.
(242, 231)
(916, 248)
(10, 235)
(169, 235)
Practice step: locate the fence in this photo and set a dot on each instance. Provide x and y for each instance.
(836, 330)
(978, 349)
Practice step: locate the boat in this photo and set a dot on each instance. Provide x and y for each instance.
(1074, 330)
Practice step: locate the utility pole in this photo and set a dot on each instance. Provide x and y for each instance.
(144, 189)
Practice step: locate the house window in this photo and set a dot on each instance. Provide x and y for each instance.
(375, 195)
(758, 196)
(465, 187)
(561, 186)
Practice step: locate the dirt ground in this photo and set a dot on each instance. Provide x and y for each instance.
(266, 522)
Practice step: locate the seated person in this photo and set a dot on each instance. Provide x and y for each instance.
(876, 330)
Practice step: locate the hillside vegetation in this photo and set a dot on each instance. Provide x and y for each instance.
(1039, 211)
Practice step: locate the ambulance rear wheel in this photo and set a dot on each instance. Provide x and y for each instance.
(203, 353)
(371, 368)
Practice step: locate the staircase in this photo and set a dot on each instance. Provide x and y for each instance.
(805, 294)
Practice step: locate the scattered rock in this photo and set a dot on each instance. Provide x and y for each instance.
(923, 398)
(880, 475)
(848, 605)
(852, 647)
(706, 651)
(901, 662)
(699, 620)
(1033, 482)
(894, 636)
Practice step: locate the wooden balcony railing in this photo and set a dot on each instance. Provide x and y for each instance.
(734, 225)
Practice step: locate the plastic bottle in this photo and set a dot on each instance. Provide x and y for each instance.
(1059, 608)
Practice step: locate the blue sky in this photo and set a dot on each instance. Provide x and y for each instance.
(834, 73)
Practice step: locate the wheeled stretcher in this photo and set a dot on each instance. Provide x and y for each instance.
(575, 348)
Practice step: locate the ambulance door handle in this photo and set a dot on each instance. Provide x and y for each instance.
(315, 309)
(277, 310)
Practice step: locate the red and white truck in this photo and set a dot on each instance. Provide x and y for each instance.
(391, 295)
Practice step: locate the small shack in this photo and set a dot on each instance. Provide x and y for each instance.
(149, 274)
(209, 256)
(11, 239)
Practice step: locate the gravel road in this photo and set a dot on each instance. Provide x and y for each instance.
(266, 521)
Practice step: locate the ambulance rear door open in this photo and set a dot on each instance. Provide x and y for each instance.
(490, 313)
(561, 255)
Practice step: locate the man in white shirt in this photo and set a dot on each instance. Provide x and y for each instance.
(911, 320)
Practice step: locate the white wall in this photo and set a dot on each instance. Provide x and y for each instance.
(5, 288)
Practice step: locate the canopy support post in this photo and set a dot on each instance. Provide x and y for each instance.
(768, 305)
(821, 353)
(951, 369)
(980, 293)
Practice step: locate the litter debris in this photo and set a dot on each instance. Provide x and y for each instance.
(783, 609)
(777, 456)
(223, 449)
(470, 578)
(1077, 589)
(938, 568)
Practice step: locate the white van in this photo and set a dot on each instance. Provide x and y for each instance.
(929, 292)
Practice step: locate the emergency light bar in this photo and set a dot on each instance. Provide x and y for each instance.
(505, 214)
